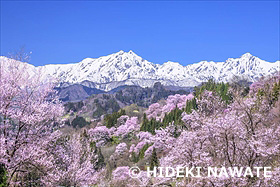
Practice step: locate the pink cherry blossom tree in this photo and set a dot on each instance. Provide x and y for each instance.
(100, 135)
(74, 160)
(29, 113)
(131, 126)
(243, 135)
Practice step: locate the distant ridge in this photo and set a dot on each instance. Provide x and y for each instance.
(127, 68)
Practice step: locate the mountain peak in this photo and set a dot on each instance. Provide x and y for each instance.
(120, 52)
(247, 55)
(131, 52)
(171, 63)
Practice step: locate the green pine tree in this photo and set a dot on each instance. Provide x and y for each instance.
(154, 160)
(145, 123)
(3, 176)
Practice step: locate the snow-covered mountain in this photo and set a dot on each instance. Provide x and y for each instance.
(127, 68)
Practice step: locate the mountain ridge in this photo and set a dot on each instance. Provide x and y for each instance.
(127, 68)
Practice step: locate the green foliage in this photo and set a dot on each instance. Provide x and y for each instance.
(134, 95)
(145, 96)
(275, 92)
(260, 93)
(73, 106)
(176, 134)
(104, 107)
(111, 119)
(136, 157)
(154, 160)
(150, 125)
(32, 177)
(211, 85)
(145, 123)
(99, 110)
(271, 92)
(100, 162)
(190, 105)
(79, 122)
(92, 146)
(113, 104)
(3, 176)
(143, 150)
(134, 110)
(115, 140)
(173, 116)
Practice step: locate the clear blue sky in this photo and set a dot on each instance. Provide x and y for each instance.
(186, 32)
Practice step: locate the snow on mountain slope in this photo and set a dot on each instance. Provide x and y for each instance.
(127, 68)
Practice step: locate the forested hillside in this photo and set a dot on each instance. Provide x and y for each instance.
(107, 103)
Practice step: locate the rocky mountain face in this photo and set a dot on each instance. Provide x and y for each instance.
(127, 68)
(76, 92)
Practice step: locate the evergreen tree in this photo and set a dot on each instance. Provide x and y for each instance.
(145, 123)
(220, 88)
(79, 122)
(3, 176)
(173, 116)
(100, 162)
(191, 105)
(275, 92)
(111, 119)
(154, 160)
(142, 151)
(135, 158)
(176, 133)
